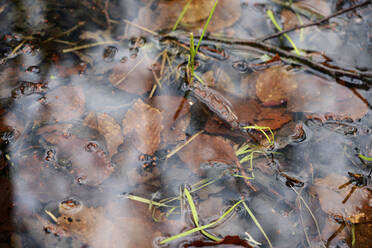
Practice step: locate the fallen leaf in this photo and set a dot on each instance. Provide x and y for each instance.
(175, 113)
(108, 127)
(274, 86)
(145, 124)
(83, 158)
(319, 8)
(133, 74)
(95, 227)
(331, 197)
(36, 181)
(166, 14)
(219, 80)
(320, 96)
(208, 149)
(62, 104)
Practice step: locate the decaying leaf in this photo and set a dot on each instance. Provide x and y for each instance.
(82, 157)
(355, 210)
(318, 8)
(274, 86)
(175, 117)
(100, 227)
(108, 127)
(145, 123)
(167, 12)
(208, 149)
(219, 80)
(62, 104)
(133, 74)
(38, 182)
(321, 96)
(251, 112)
(331, 197)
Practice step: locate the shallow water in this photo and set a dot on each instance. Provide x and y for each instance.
(102, 138)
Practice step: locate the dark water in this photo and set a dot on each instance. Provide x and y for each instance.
(94, 106)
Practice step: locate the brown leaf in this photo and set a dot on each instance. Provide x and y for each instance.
(320, 96)
(145, 123)
(37, 182)
(133, 74)
(94, 227)
(250, 112)
(207, 149)
(89, 163)
(289, 19)
(166, 14)
(108, 127)
(62, 104)
(219, 80)
(174, 120)
(331, 197)
(274, 85)
(319, 8)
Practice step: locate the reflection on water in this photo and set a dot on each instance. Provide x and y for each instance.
(104, 145)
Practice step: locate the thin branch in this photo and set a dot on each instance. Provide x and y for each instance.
(340, 12)
(331, 71)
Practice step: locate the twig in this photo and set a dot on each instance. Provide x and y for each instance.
(107, 16)
(331, 71)
(170, 154)
(340, 12)
(65, 32)
(140, 27)
(88, 46)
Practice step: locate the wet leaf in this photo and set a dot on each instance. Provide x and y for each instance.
(166, 14)
(318, 8)
(208, 149)
(274, 86)
(36, 181)
(219, 80)
(331, 197)
(95, 227)
(108, 127)
(62, 104)
(8, 79)
(175, 117)
(289, 19)
(321, 96)
(251, 112)
(133, 74)
(231, 241)
(83, 158)
(145, 124)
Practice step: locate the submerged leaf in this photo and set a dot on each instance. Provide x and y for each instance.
(274, 86)
(62, 104)
(108, 127)
(145, 124)
(133, 74)
(208, 149)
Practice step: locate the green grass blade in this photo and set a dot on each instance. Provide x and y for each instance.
(353, 240)
(197, 229)
(147, 201)
(183, 12)
(257, 223)
(237, 175)
(206, 25)
(273, 20)
(361, 156)
(196, 218)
